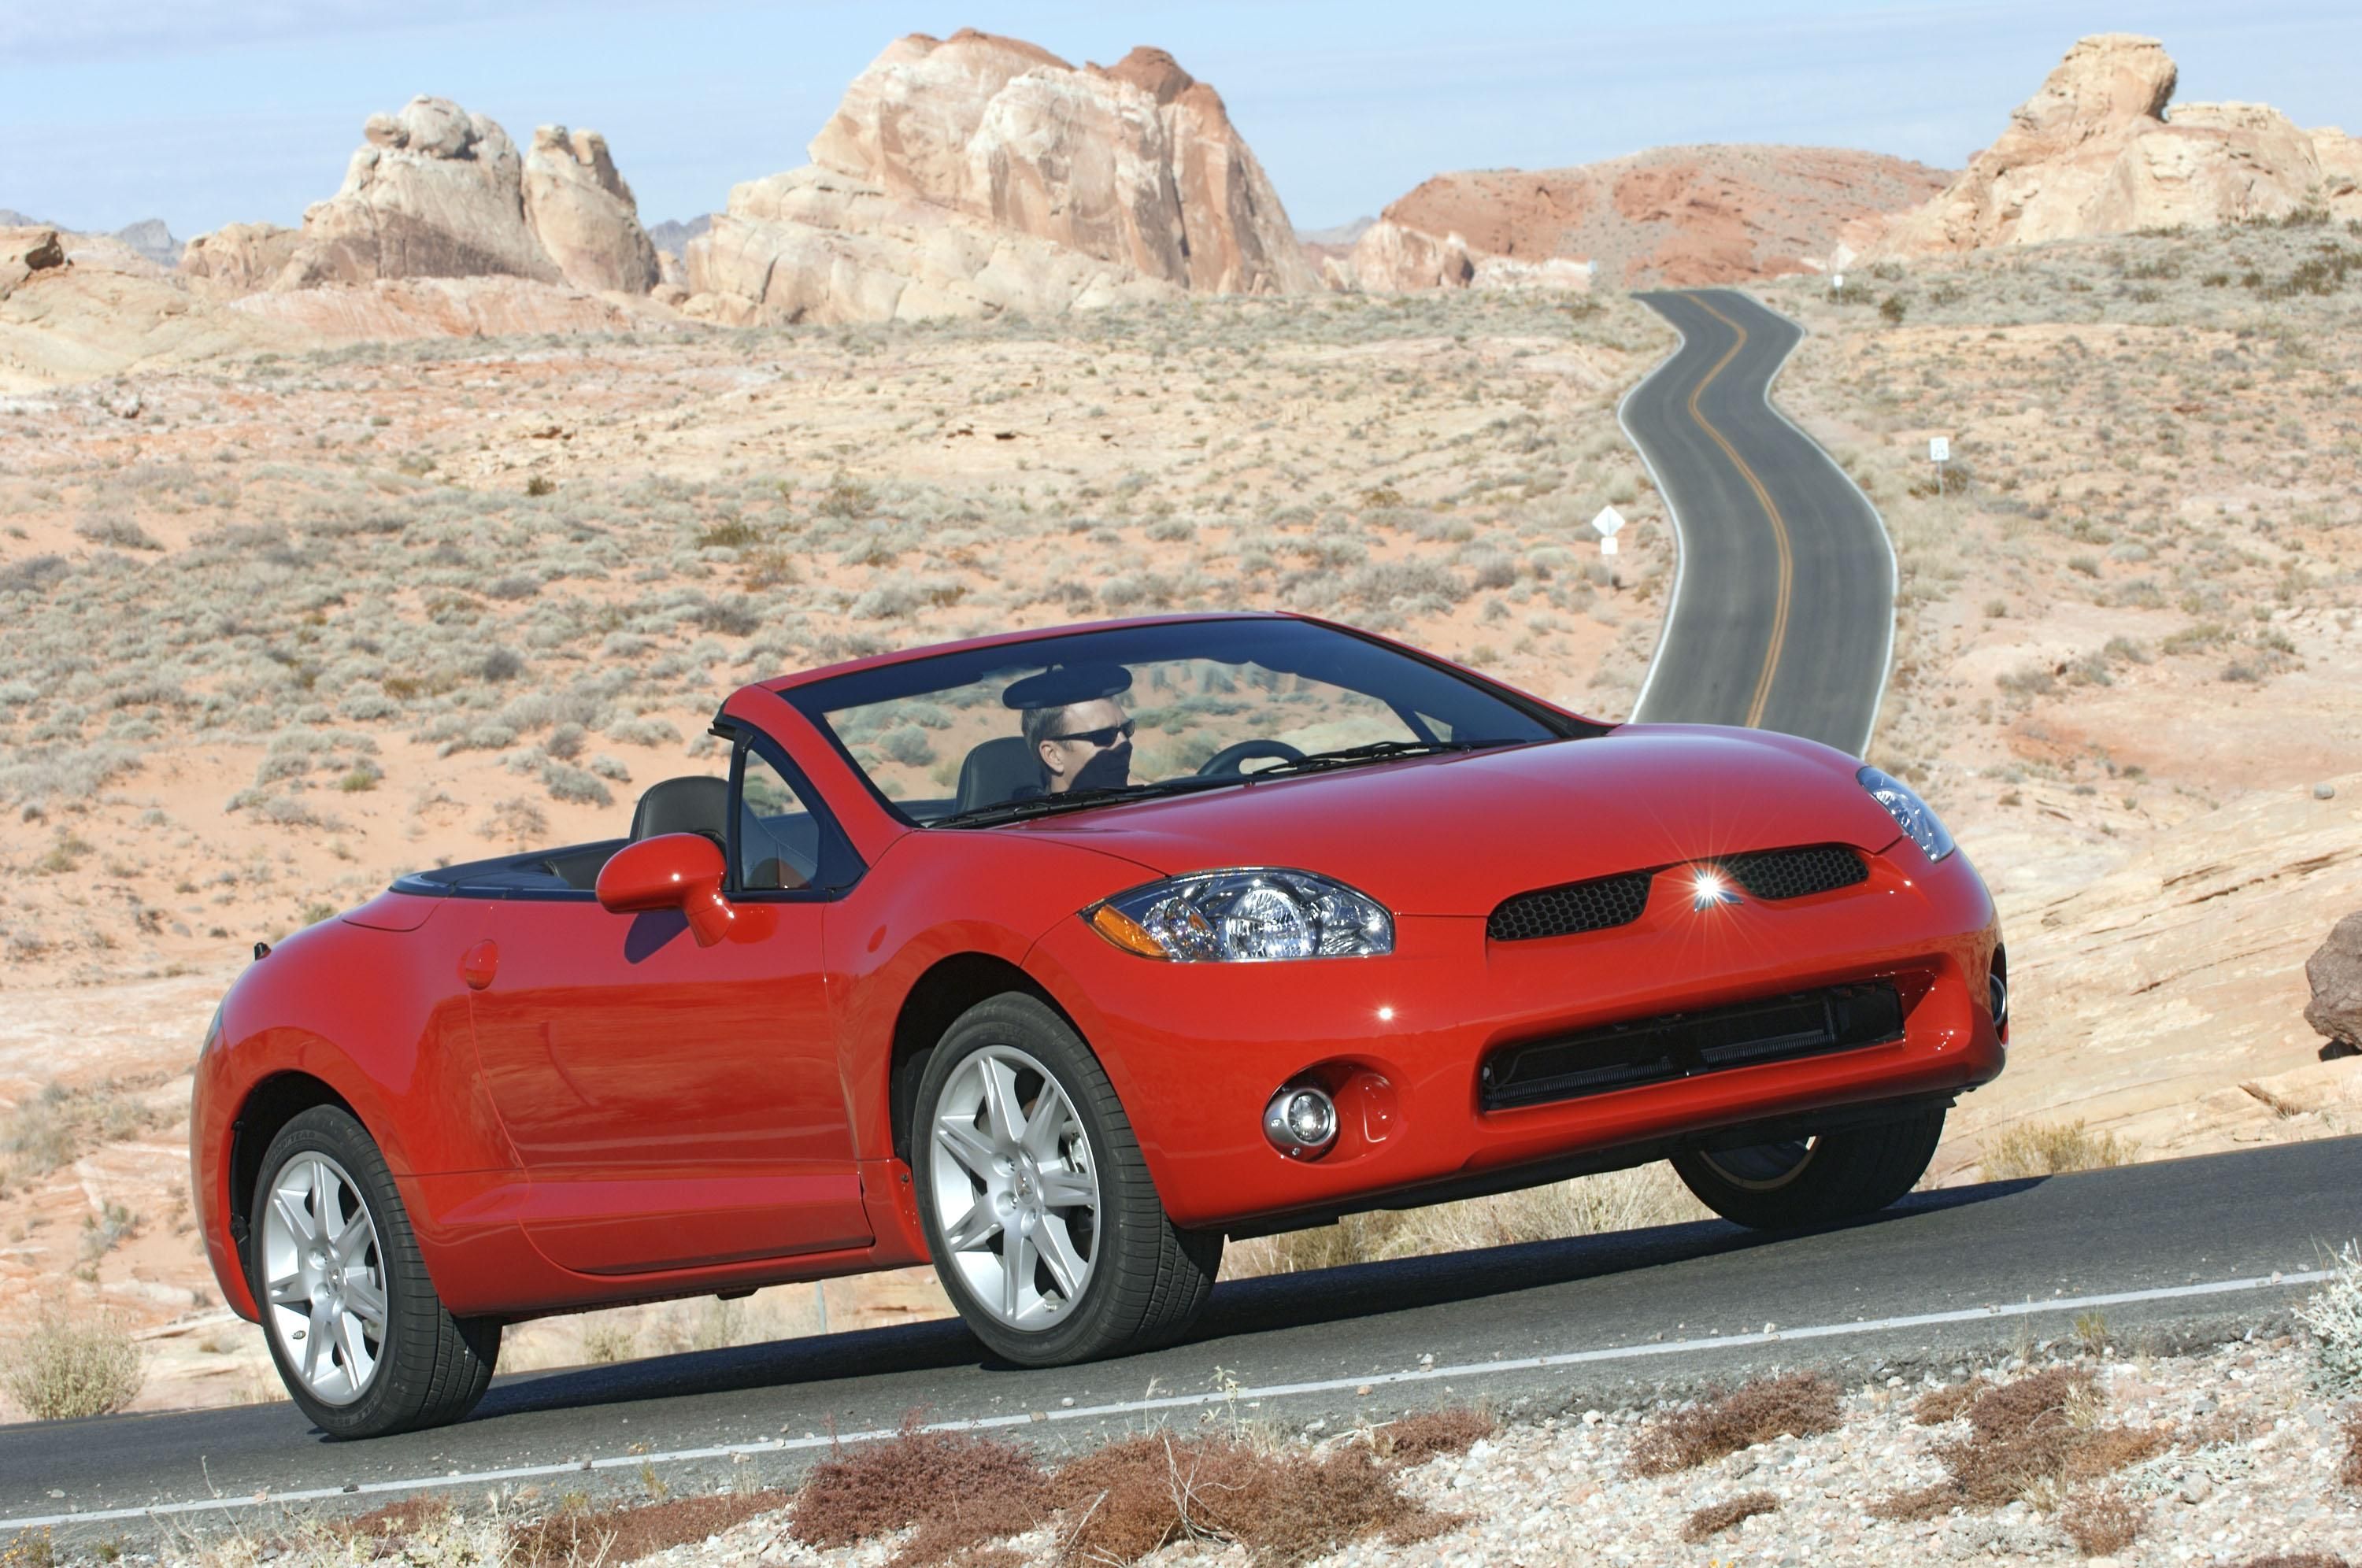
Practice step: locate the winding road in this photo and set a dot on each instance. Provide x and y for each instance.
(1782, 609)
(1781, 617)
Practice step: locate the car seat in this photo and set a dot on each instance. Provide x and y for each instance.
(699, 803)
(997, 770)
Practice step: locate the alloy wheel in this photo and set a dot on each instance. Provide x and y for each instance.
(324, 1278)
(1016, 1186)
(1762, 1168)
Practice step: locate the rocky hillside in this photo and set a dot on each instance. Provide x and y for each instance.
(2096, 153)
(1675, 215)
(974, 174)
(435, 191)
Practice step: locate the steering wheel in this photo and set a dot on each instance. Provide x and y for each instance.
(1227, 759)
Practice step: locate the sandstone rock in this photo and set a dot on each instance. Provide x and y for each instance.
(583, 214)
(401, 308)
(978, 173)
(2095, 151)
(2334, 973)
(1678, 215)
(238, 259)
(25, 251)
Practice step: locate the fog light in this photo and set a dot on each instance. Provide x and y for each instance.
(1301, 1121)
(1999, 989)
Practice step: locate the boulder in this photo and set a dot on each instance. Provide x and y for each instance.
(2096, 151)
(2334, 973)
(977, 173)
(583, 214)
(25, 251)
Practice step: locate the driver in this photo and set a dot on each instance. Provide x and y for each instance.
(1074, 727)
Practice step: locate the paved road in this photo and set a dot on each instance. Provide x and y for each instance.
(1782, 615)
(2173, 1251)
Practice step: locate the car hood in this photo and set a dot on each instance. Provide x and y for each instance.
(1456, 834)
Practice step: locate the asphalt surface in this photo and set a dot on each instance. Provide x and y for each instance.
(1782, 615)
(1581, 1323)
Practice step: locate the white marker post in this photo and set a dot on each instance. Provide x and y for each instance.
(1939, 452)
(1837, 283)
(1609, 523)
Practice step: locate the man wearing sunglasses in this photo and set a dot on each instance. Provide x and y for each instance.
(1081, 745)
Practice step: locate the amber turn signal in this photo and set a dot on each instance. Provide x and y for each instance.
(1126, 932)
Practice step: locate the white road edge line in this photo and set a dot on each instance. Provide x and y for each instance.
(1885, 533)
(1193, 1401)
(1681, 546)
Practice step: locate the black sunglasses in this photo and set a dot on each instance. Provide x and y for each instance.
(1102, 738)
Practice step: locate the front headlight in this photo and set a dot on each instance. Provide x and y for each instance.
(1910, 812)
(1244, 916)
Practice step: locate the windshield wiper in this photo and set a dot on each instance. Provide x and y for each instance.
(1045, 805)
(1376, 751)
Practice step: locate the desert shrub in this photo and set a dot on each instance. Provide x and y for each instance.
(2333, 1316)
(958, 1489)
(501, 664)
(1131, 1498)
(567, 782)
(1715, 1518)
(2349, 1469)
(2053, 1148)
(70, 1367)
(1795, 1404)
(643, 731)
(1429, 1434)
(2101, 1523)
(2031, 1438)
(572, 1537)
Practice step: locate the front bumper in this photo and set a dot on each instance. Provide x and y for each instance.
(1197, 1050)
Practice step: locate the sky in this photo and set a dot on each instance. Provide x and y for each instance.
(204, 111)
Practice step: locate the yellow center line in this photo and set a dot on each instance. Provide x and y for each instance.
(1779, 525)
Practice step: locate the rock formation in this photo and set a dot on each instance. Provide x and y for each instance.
(582, 211)
(1678, 216)
(2095, 151)
(435, 191)
(977, 173)
(25, 251)
(2335, 974)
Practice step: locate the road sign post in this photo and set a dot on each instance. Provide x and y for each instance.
(1939, 452)
(1608, 524)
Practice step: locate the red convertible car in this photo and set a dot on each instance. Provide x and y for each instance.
(1053, 959)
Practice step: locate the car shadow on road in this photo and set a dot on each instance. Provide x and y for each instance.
(1242, 1307)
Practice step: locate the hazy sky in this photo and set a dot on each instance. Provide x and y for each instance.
(203, 112)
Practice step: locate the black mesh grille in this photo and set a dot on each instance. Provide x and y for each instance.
(1685, 1044)
(1792, 873)
(1595, 905)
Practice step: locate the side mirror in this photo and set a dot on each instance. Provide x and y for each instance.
(672, 871)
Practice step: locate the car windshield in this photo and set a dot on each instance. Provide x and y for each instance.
(1067, 723)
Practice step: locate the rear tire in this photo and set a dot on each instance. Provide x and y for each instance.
(1838, 1176)
(1019, 1149)
(360, 1339)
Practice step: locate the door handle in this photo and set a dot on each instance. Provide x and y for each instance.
(480, 964)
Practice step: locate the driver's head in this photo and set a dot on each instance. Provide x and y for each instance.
(1081, 745)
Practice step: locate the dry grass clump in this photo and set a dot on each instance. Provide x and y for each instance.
(575, 1536)
(60, 1124)
(1938, 1406)
(1587, 1206)
(2349, 1473)
(2333, 1315)
(70, 1367)
(2031, 1438)
(1795, 1404)
(2054, 1148)
(958, 1489)
(2101, 1523)
(2295, 1559)
(1127, 1500)
(1715, 1518)
(1430, 1434)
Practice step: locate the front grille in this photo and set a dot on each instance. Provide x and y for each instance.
(1792, 873)
(1595, 905)
(1685, 1045)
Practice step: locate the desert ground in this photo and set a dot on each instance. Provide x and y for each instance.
(281, 627)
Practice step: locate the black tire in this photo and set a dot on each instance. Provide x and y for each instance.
(431, 1367)
(1838, 1175)
(1149, 1279)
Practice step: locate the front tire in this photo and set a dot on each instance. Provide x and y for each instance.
(359, 1337)
(1045, 1227)
(1814, 1181)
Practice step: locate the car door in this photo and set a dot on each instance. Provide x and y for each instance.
(673, 1105)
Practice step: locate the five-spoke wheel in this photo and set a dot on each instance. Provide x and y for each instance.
(1046, 1225)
